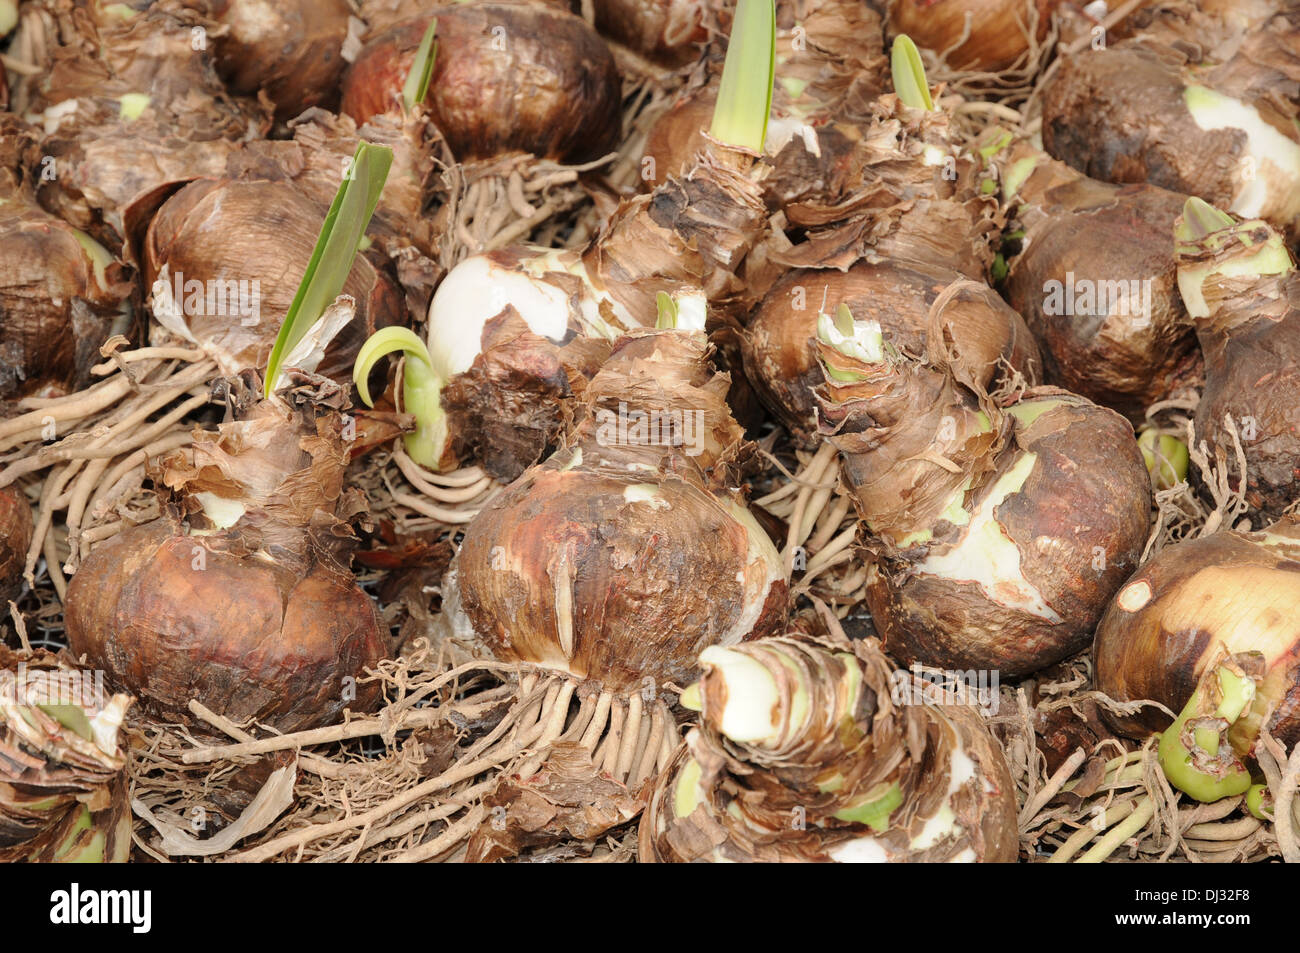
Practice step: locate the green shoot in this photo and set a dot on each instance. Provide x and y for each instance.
(421, 390)
(909, 74)
(667, 308)
(417, 80)
(1201, 219)
(745, 93)
(340, 237)
(1202, 772)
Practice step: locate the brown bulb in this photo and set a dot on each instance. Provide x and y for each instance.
(781, 360)
(1231, 591)
(996, 39)
(223, 259)
(239, 595)
(509, 76)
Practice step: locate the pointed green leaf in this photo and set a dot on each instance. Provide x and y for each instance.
(417, 80)
(667, 309)
(340, 237)
(1200, 219)
(745, 93)
(909, 74)
(72, 717)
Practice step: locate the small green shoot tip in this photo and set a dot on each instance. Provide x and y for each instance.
(417, 80)
(421, 390)
(909, 74)
(745, 93)
(844, 320)
(667, 308)
(1200, 218)
(336, 248)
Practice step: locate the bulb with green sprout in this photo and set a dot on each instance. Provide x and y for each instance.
(514, 334)
(819, 750)
(994, 531)
(1242, 291)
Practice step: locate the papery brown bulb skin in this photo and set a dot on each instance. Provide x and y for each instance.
(782, 363)
(1230, 591)
(1252, 373)
(509, 76)
(1122, 115)
(232, 237)
(996, 39)
(1130, 343)
(612, 575)
(668, 32)
(291, 49)
(169, 616)
(16, 529)
(726, 800)
(61, 297)
(1006, 562)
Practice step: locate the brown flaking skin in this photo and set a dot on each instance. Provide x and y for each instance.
(263, 619)
(297, 60)
(16, 529)
(1123, 361)
(553, 91)
(221, 230)
(781, 361)
(1232, 590)
(875, 744)
(668, 32)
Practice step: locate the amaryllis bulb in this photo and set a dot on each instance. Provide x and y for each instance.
(1211, 130)
(1231, 593)
(994, 535)
(781, 361)
(812, 750)
(830, 64)
(592, 563)
(1106, 312)
(62, 295)
(292, 51)
(667, 32)
(222, 261)
(509, 76)
(989, 35)
(63, 784)
(258, 508)
(1243, 292)
(511, 328)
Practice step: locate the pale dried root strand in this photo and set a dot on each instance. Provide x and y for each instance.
(809, 494)
(455, 493)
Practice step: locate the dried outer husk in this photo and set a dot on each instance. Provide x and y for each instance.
(107, 172)
(695, 229)
(1232, 592)
(290, 50)
(16, 528)
(510, 75)
(160, 50)
(928, 779)
(1225, 132)
(1135, 345)
(830, 67)
(667, 32)
(62, 295)
(1248, 325)
(994, 535)
(258, 508)
(990, 337)
(247, 243)
(904, 193)
(686, 240)
(403, 239)
(63, 793)
(592, 563)
(987, 35)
